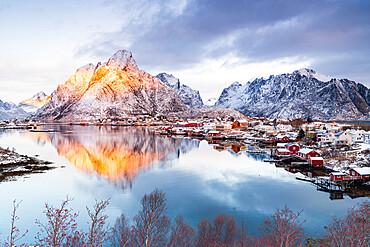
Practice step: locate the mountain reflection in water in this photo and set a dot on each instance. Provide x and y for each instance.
(118, 154)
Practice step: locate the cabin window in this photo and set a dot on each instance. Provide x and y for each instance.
(338, 176)
(353, 173)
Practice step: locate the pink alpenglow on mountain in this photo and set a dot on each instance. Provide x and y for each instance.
(37, 100)
(116, 88)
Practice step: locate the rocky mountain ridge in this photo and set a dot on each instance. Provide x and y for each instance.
(301, 94)
(189, 96)
(10, 111)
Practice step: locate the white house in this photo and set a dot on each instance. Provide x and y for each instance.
(222, 127)
(265, 128)
(343, 138)
(357, 135)
(327, 138)
(308, 127)
(283, 127)
(366, 136)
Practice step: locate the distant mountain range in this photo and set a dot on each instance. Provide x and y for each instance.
(11, 111)
(301, 94)
(119, 88)
(24, 109)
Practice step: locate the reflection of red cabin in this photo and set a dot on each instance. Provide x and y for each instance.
(236, 148)
(336, 195)
(198, 133)
(316, 161)
(214, 133)
(293, 148)
(306, 153)
(337, 176)
(360, 172)
(282, 152)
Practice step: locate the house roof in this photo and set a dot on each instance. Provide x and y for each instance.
(339, 133)
(281, 145)
(362, 170)
(338, 174)
(306, 150)
(242, 121)
(326, 134)
(291, 144)
(316, 158)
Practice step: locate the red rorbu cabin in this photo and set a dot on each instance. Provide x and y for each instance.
(192, 124)
(282, 152)
(306, 153)
(292, 147)
(360, 172)
(316, 161)
(337, 176)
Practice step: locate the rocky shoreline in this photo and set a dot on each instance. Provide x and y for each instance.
(14, 165)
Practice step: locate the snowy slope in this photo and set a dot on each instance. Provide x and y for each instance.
(10, 111)
(35, 102)
(189, 96)
(301, 94)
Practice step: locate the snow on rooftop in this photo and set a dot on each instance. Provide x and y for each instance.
(362, 170)
(316, 158)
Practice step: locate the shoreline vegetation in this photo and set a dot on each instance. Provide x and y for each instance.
(14, 165)
(152, 227)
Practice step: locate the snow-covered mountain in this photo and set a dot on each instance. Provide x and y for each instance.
(115, 88)
(35, 102)
(189, 96)
(10, 111)
(210, 102)
(301, 94)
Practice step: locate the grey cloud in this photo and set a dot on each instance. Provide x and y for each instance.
(257, 30)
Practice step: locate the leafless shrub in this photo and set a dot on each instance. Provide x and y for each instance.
(151, 223)
(353, 230)
(121, 232)
(284, 228)
(223, 231)
(98, 232)
(59, 227)
(15, 234)
(182, 234)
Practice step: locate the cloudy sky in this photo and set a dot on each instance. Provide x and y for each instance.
(207, 44)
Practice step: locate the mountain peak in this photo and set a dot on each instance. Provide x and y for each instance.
(310, 73)
(122, 58)
(169, 80)
(86, 67)
(189, 96)
(39, 95)
(38, 100)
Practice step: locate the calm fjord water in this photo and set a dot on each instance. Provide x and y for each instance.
(124, 163)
